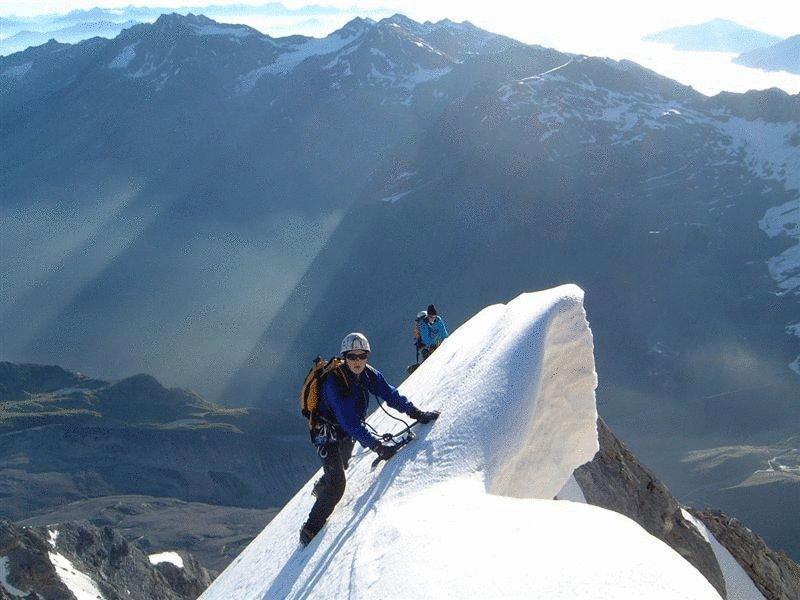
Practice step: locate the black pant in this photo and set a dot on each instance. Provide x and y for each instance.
(335, 461)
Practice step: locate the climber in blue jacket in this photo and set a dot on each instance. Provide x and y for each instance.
(432, 332)
(345, 398)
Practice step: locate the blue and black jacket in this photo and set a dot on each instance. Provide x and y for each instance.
(433, 334)
(346, 399)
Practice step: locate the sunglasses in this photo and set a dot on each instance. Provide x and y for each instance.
(354, 357)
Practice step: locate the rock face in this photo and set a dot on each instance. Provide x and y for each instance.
(774, 573)
(616, 480)
(212, 533)
(53, 562)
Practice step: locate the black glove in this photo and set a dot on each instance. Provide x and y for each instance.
(385, 451)
(424, 416)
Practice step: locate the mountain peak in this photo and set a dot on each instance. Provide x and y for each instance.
(357, 26)
(400, 19)
(174, 25)
(173, 19)
(721, 21)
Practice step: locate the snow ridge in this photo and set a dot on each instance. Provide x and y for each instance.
(464, 502)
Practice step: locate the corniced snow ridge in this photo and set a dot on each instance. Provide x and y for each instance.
(466, 510)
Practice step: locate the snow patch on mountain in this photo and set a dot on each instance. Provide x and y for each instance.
(168, 557)
(81, 585)
(564, 96)
(340, 57)
(399, 186)
(738, 584)
(396, 79)
(554, 98)
(124, 58)
(794, 329)
(770, 153)
(785, 268)
(422, 75)
(295, 54)
(395, 197)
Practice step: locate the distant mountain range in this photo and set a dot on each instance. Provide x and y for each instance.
(19, 33)
(71, 34)
(718, 35)
(783, 56)
(216, 207)
(756, 49)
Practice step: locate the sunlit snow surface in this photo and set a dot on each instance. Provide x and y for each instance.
(170, 557)
(465, 510)
(81, 585)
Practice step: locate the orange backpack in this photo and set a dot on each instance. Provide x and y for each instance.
(311, 392)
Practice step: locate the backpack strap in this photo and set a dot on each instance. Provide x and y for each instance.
(341, 377)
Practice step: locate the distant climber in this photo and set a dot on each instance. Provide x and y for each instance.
(432, 332)
(340, 423)
(417, 339)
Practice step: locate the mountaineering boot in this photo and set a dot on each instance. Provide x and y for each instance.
(307, 534)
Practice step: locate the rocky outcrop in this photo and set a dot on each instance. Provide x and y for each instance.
(616, 480)
(51, 562)
(775, 574)
(212, 533)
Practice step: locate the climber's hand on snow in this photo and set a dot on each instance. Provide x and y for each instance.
(424, 416)
(385, 451)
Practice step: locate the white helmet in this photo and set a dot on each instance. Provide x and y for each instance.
(355, 341)
(422, 314)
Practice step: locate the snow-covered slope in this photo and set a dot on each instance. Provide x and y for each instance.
(465, 510)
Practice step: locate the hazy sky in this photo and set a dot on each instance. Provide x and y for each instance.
(610, 28)
(518, 19)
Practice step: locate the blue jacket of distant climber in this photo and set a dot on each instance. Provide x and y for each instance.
(346, 400)
(433, 334)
